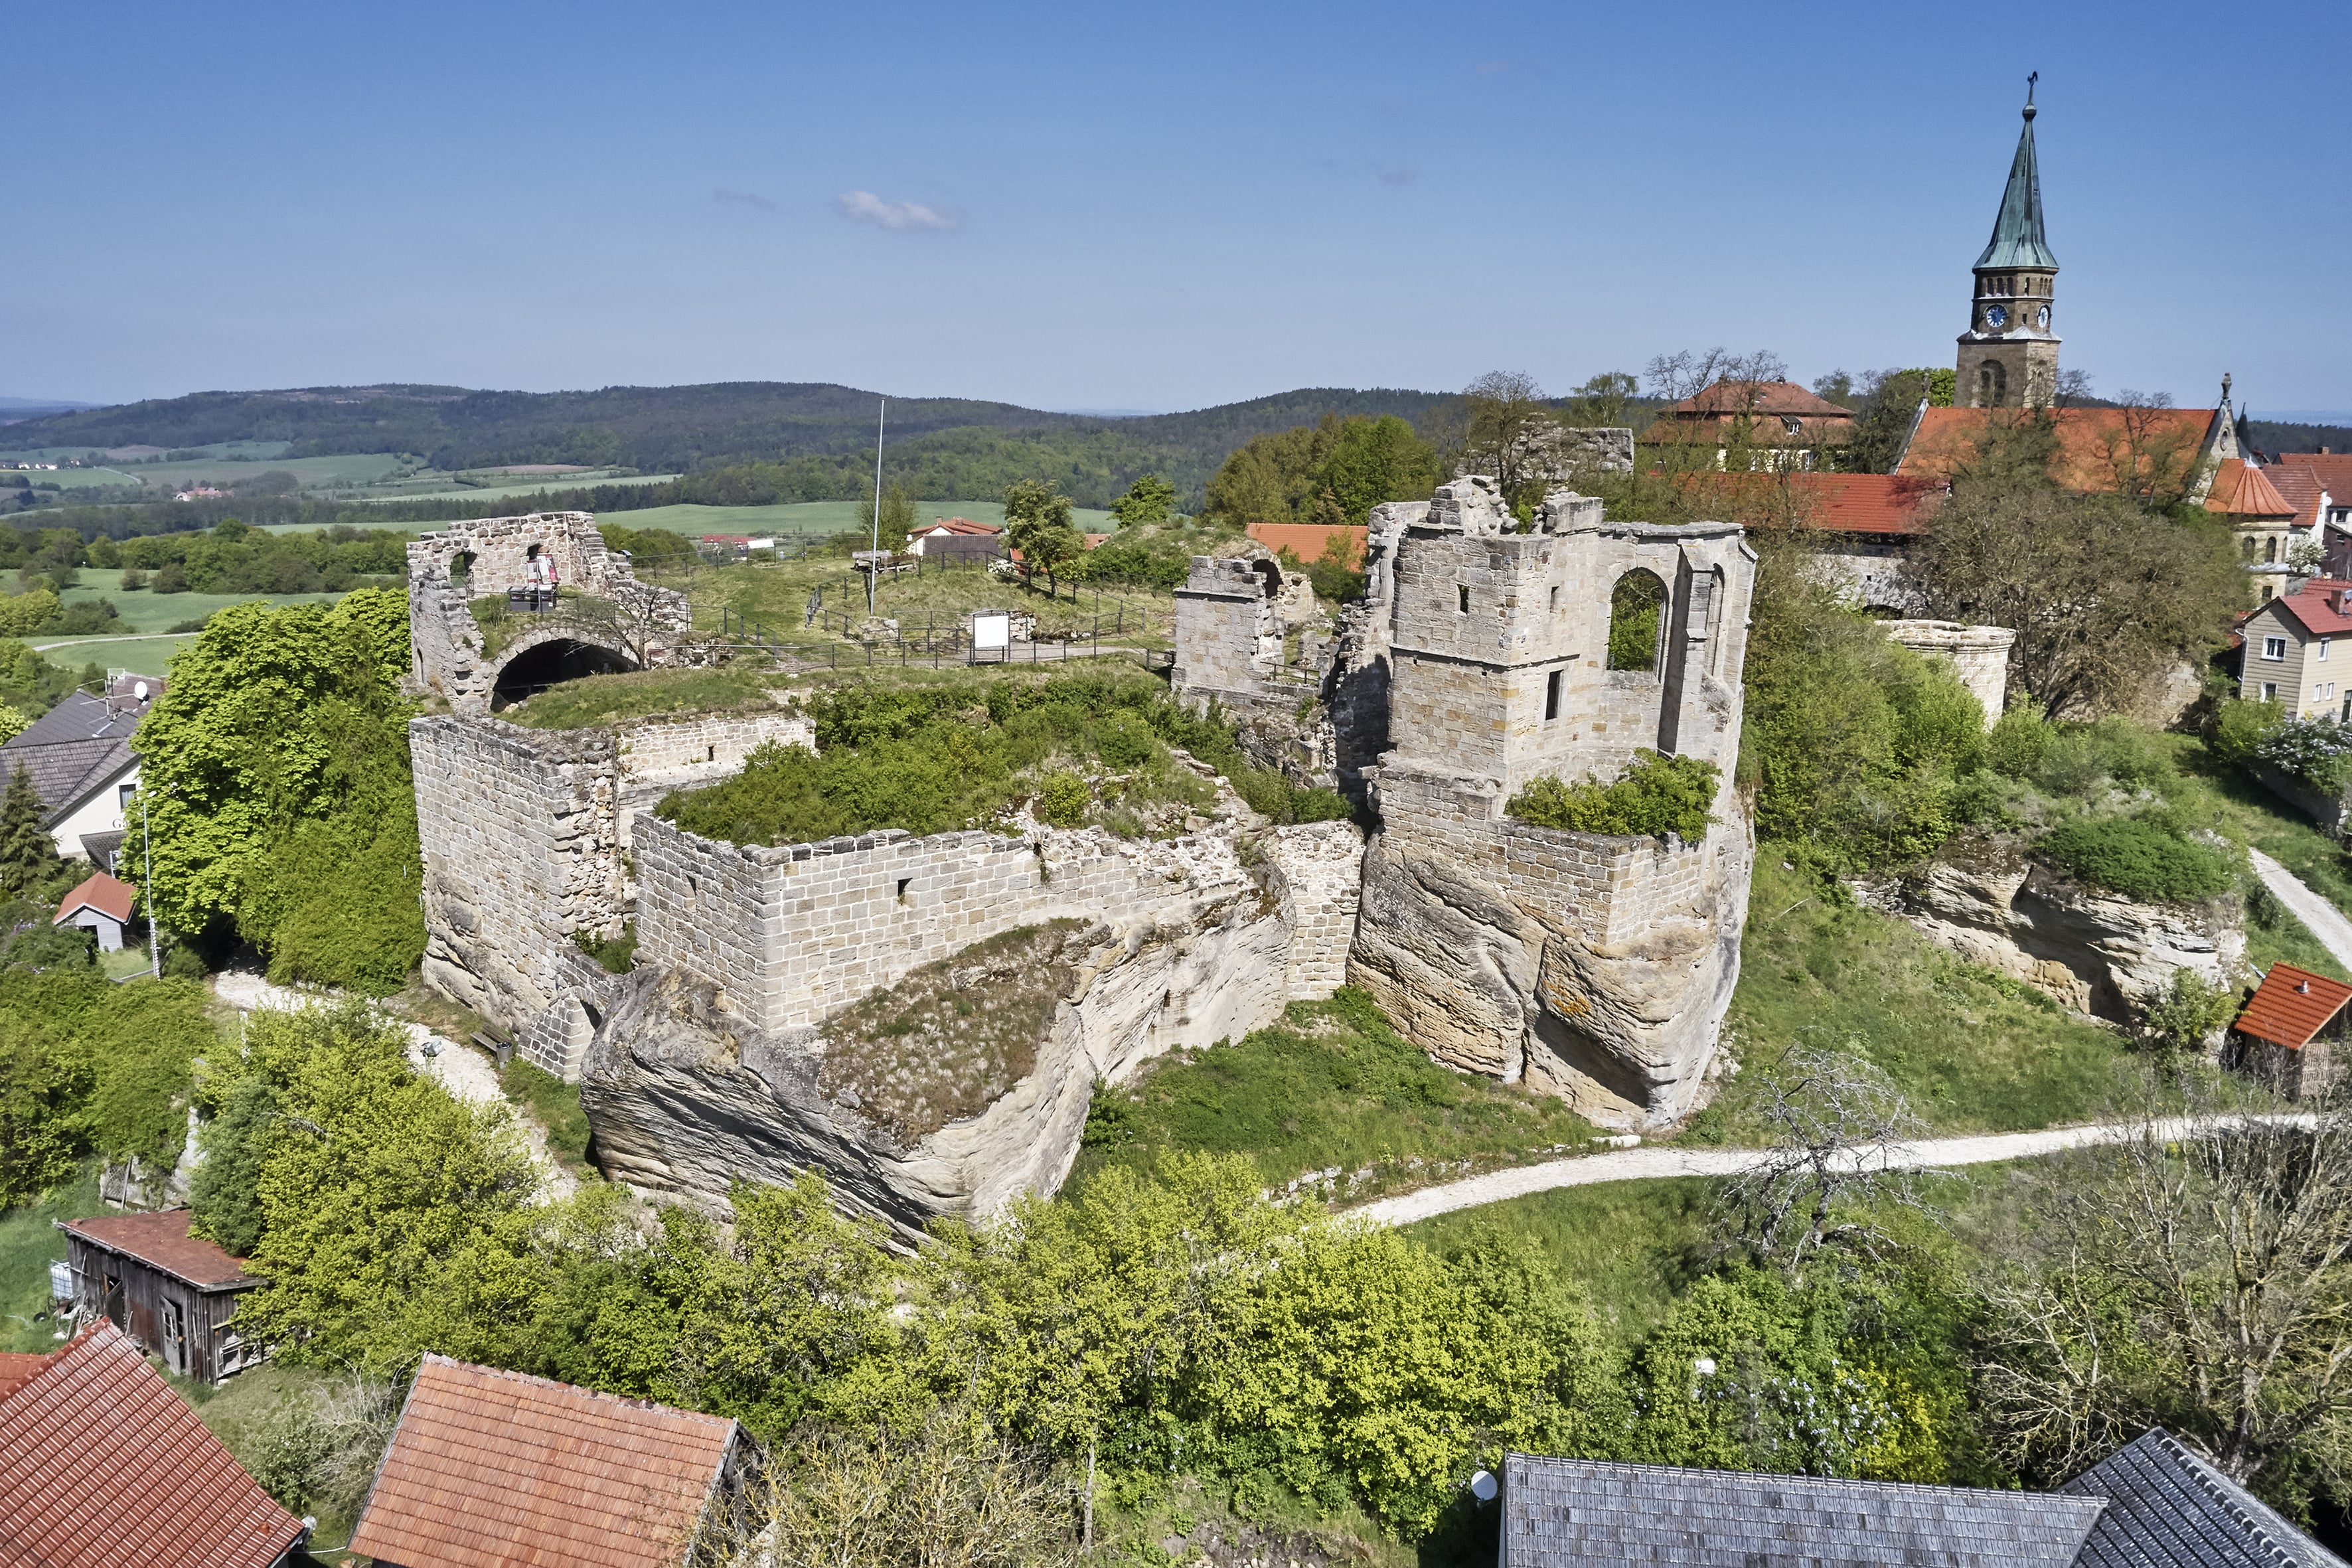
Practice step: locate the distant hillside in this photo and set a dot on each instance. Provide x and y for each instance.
(2270, 438)
(815, 439)
(13, 409)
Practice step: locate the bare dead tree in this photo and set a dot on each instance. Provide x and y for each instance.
(1510, 429)
(2198, 1277)
(1837, 1124)
(1686, 373)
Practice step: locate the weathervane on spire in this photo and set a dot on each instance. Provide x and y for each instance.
(2030, 81)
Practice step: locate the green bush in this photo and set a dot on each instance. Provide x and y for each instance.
(2142, 856)
(2018, 742)
(617, 955)
(1657, 796)
(2239, 728)
(1064, 800)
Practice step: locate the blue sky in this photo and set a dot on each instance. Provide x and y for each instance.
(1152, 207)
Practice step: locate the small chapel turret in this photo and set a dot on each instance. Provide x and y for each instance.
(2008, 355)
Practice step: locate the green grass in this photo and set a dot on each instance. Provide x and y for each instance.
(1331, 1087)
(131, 960)
(431, 485)
(142, 656)
(238, 1412)
(1973, 1050)
(600, 699)
(144, 610)
(819, 517)
(554, 1104)
(29, 1243)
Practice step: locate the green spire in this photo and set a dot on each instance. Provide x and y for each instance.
(2016, 234)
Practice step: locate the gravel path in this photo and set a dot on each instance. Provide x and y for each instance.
(1650, 1163)
(466, 1072)
(2327, 922)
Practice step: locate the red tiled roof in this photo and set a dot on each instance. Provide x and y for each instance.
(1867, 503)
(2241, 489)
(2317, 604)
(18, 1369)
(102, 893)
(2093, 444)
(102, 1464)
(2301, 488)
(957, 525)
(2333, 470)
(161, 1239)
(1758, 397)
(491, 1469)
(2291, 1005)
(1306, 540)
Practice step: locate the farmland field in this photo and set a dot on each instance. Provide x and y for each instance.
(143, 610)
(817, 517)
(139, 655)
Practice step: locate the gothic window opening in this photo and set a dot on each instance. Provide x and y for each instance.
(1636, 607)
(1552, 697)
(1462, 600)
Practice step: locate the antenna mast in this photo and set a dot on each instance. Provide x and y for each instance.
(873, 561)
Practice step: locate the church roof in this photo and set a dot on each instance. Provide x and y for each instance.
(2096, 445)
(2017, 239)
(2243, 490)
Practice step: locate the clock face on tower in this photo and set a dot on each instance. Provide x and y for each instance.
(2042, 318)
(1996, 317)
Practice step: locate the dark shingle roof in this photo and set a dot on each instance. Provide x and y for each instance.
(71, 750)
(1559, 1512)
(2169, 1509)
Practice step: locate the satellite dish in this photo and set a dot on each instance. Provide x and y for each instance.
(140, 691)
(1483, 1486)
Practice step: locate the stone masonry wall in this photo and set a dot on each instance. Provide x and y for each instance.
(1228, 628)
(1978, 653)
(1322, 868)
(521, 849)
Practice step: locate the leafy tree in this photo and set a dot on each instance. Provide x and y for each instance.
(2191, 1011)
(1510, 425)
(28, 856)
(275, 774)
(1332, 472)
(1607, 399)
(898, 517)
(1037, 523)
(1147, 503)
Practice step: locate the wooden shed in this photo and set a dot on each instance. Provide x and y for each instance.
(173, 1293)
(2293, 1030)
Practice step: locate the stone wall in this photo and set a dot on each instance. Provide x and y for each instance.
(1878, 576)
(1229, 629)
(1978, 653)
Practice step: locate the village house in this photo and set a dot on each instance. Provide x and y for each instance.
(1778, 424)
(958, 538)
(2153, 1504)
(490, 1467)
(174, 1294)
(2264, 521)
(102, 1464)
(78, 755)
(2290, 1029)
(2294, 650)
(100, 905)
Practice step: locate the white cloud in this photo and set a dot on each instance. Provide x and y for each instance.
(865, 206)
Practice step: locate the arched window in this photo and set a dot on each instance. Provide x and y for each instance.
(2270, 552)
(461, 567)
(2248, 543)
(1636, 605)
(1992, 384)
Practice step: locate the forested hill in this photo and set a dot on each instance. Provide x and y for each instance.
(820, 434)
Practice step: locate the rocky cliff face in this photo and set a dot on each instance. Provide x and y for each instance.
(685, 1092)
(2095, 951)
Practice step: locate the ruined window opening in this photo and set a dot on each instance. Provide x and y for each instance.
(710, 753)
(461, 567)
(1555, 598)
(904, 883)
(1462, 600)
(1552, 697)
(1635, 606)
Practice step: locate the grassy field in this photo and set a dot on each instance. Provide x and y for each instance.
(597, 698)
(817, 517)
(29, 1243)
(1332, 1089)
(137, 656)
(779, 597)
(432, 484)
(1972, 1049)
(144, 610)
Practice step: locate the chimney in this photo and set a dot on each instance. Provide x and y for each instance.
(2303, 987)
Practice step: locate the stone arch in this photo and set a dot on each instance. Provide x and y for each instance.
(1637, 617)
(1271, 574)
(1992, 384)
(461, 567)
(541, 660)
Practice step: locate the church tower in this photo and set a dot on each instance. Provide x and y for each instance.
(2008, 355)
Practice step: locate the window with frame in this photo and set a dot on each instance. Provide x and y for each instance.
(2270, 690)
(2274, 647)
(2323, 648)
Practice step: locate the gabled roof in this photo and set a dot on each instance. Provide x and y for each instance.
(2300, 488)
(102, 1464)
(2332, 469)
(17, 1369)
(1307, 539)
(2319, 605)
(2095, 445)
(1560, 1513)
(2245, 493)
(2168, 1508)
(1867, 503)
(1758, 397)
(161, 1240)
(2291, 1005)
(102, 893)
(959, 525)
(80, 717)
(489, 1468)
(2017, 239)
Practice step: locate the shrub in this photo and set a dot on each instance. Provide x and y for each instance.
(2317, 750)
(617, 955)
(1657, 796)
(2142, 856)
(2239, 728)
(1064, 800)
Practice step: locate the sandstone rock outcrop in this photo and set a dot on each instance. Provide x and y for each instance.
(2093, 951)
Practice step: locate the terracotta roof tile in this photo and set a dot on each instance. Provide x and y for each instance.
(99, 892)
(18, 1369)
(1306, 540)
(490, 1469)
(959, 525)
(2093, 443)
(2334, 469)
(2242, 490)
(1759, 397)
(2291, 1005)
(102, 1465)
(2319, 604)
(1867, 503)
(161, 1239)
(2301, 488)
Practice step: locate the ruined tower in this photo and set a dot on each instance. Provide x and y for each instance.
(2008, 355)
